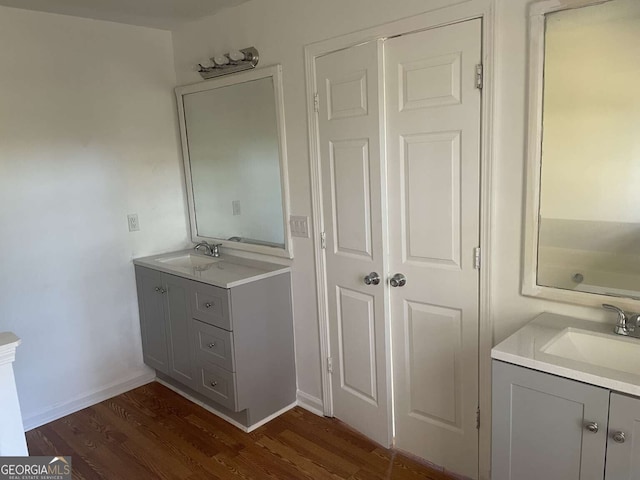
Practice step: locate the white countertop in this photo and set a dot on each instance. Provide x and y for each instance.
(525, 348)
(229, 271)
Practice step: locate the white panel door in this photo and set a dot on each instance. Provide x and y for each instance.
(433, 155)
(349, 137)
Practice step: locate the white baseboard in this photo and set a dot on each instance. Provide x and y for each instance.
(209, 409)
(271, 417)
(304, 400)
(202, 404)
(310, 403)
(142, 377)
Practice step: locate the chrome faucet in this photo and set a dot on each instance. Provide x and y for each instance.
(206, 246)
(210, 250)
(627, 324)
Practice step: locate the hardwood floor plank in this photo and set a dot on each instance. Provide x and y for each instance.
(331, 461)
(106, 454)
(153, 433)
(310, 467)
(158, 460)
(158, 435)
(82, 458)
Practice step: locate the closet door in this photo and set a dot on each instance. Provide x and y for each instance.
(349, 137)
(433, 155)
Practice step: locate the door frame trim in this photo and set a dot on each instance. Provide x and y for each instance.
(464, 10)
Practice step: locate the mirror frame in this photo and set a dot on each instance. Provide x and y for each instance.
(530, 287)
(274, 72)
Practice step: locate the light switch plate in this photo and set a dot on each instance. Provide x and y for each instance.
(299, 226)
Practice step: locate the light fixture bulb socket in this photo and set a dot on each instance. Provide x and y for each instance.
(221, 60)
(236, 56)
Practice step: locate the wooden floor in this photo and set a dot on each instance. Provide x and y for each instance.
(151, 432)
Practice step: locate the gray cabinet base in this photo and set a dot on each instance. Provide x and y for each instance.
(242, 419)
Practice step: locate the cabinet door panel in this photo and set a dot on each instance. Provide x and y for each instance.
(623, 459)
(178, 317)
(152, 322)
(539, 425)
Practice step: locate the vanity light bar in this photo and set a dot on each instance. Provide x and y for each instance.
(232, 62)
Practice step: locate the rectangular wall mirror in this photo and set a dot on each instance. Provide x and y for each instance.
(583, 208)
(233, 144)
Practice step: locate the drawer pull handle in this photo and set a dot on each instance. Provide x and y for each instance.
(212, 344)
(208, 305)
(619, 437)
(592, 427)
(214, 384)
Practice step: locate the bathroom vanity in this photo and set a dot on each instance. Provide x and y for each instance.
(220, 331)
(566, 402)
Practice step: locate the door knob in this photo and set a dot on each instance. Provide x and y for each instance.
(398, 280)
(619, 437)
(592, 427)
(372, 279)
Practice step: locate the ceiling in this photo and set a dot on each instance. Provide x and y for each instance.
(164, 14)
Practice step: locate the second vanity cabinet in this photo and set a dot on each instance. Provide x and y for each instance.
(554, 428)
(230, 348)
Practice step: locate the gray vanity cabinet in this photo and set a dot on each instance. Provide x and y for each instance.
(230, 348)
(178, 325)
(623, 444)
(152, 319)
(547, 427)
(165, 320)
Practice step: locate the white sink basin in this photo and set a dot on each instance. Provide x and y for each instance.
(190, 261)
(603, 350)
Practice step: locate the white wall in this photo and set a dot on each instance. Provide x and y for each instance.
(280, 29)
(89, 134)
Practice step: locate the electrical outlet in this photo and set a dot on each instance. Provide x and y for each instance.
(299, 226)
(134, 225)
(235, 206)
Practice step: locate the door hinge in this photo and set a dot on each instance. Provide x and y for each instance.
(329, 364)
(316, 102)
(476, 258)
(479, 76)
(323, 240)
(478, 419)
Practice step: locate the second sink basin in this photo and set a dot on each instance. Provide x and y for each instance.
(608, 351)
(190, 261)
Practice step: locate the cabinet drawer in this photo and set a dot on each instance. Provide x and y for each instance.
(212, 345)
(219, 385)
(210, 305)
